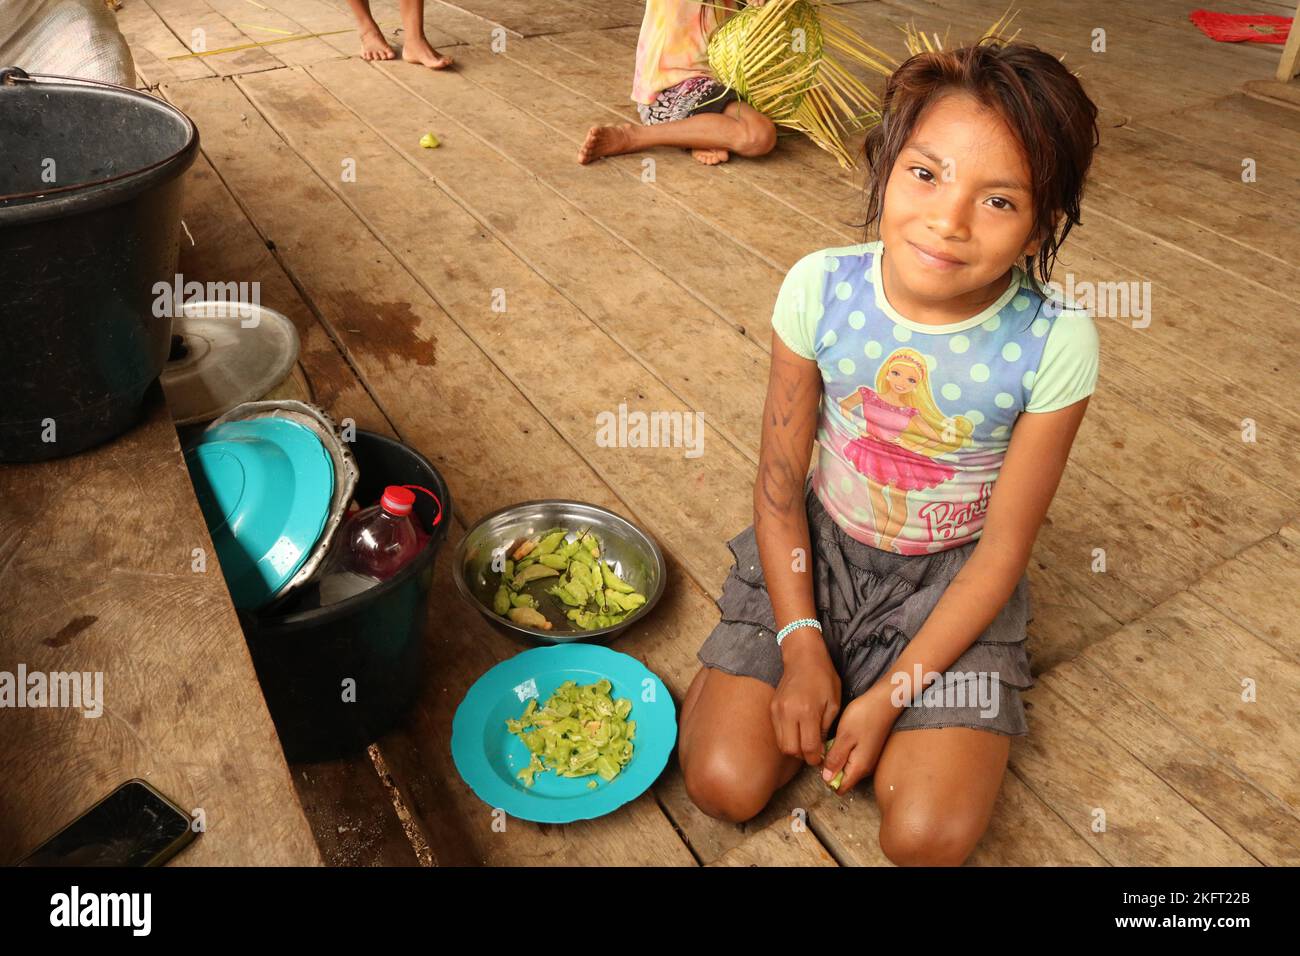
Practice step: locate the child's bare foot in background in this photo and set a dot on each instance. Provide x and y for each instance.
(606, 141)
(420, 53)
(373, 44)
(711, 157)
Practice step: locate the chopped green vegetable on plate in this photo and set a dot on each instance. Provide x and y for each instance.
(581, 731)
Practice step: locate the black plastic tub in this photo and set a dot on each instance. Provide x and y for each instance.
(90, 207)
(305, 659)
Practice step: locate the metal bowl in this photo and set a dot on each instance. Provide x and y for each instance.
(634, 555)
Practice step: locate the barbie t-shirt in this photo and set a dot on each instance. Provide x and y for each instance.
(916, 419)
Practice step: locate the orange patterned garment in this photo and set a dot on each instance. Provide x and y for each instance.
(673, 45)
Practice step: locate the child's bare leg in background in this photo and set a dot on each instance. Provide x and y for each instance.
(740, 129)
(373, 44)
(415, 48)
(727, 746)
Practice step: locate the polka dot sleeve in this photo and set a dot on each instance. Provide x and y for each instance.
(1067, 372)
(799, 305)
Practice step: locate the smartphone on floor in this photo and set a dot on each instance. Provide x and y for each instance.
(135, 825)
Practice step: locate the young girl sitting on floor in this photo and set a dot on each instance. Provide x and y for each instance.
(945, 386)
(680, 102)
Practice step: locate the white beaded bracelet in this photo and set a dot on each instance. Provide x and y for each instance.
(795, 625)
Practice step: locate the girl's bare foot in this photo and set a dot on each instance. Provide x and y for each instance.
(605, 141)
(420, 53)
(711, 157)
(374, 46)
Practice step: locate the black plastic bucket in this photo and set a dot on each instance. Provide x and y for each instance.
(369, 647)
(90, 206)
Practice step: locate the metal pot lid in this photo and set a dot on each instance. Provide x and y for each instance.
(228, 355)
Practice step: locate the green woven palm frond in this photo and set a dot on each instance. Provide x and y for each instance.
(791, 60)
(917, 41)
(788, 60)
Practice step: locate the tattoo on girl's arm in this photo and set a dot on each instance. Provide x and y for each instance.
(779, 485)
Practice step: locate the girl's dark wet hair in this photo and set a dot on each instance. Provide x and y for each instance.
(1042, 103)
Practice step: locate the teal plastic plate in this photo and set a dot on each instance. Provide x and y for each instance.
(488, 756)
(264, 486)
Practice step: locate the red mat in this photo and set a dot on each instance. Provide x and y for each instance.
(1242, 27)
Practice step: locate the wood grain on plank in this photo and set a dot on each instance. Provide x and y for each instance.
(262, 23)
(1025, 831)
(1256, 590)
(553, 126)
(97, 552)
(1118, 94)
(1140, 55)
(1192, 664)
(1064, 617)
(1195, 312)
(1264, 826)
(200, 29)
(1140, 566)
(780, 844)
(1140, 358)
(352, 814)
(1123, 810)
(1195, 189)
(528, 18)
(1222, 508)
(628, 299)
(1174, 13)
(152, 43)
(804, 795)
(319, 16)
(1266, 279)
(1235, 128)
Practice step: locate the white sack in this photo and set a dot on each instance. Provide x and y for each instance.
(65, 37)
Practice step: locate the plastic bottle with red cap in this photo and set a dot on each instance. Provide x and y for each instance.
(378, 541)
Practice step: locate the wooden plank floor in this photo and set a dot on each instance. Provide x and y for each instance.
(1145, 747)
(101, 585)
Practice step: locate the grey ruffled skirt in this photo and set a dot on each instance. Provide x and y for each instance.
(871, 603)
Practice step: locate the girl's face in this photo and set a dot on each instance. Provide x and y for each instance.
(957, 211)
(901, 378)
